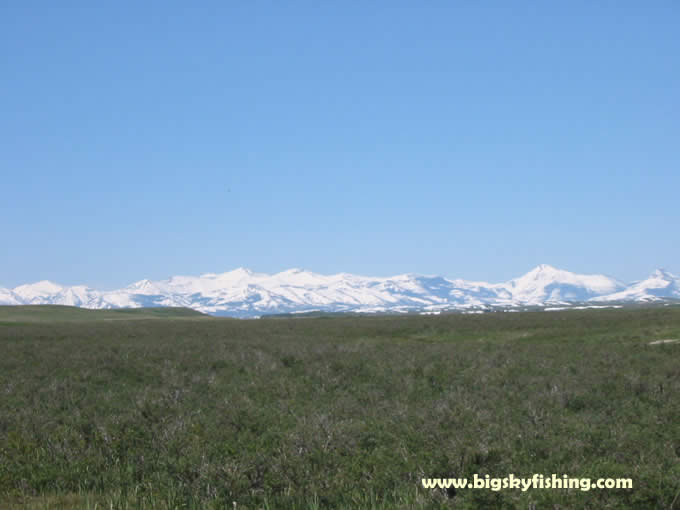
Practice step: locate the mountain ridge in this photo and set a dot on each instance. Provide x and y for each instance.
(245, 293)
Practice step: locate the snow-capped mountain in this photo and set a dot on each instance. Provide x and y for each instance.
(46, 292)
(548, 284)
(7, 297)
(36, 293)
(244, 293)
(660, 285)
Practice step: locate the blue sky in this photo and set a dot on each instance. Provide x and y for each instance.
(146, 139)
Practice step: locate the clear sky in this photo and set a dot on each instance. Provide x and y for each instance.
(467, 139)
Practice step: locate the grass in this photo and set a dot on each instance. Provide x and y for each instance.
(339, 412)
(10, 315)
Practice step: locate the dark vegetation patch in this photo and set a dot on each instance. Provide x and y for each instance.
(59, 313)
(342, 412)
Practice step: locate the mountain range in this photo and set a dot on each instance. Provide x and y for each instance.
(246, 294)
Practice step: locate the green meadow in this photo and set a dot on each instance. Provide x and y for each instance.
(170, 409)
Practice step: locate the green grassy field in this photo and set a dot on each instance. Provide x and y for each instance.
(175, 410)
(10, 315)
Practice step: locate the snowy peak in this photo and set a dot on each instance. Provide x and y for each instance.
(47, 292)
(43, 286)
(658, 286)
(240, 272)
(544, 271)
(37, 290)
(244, 293)
(143, 286)
(546, 283)
(7, 297)
(662, 274)
(300, 277)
